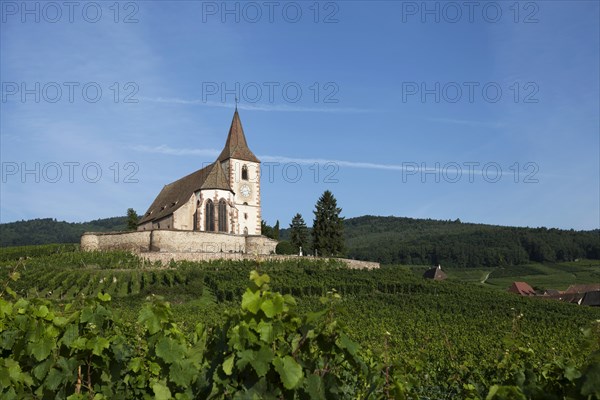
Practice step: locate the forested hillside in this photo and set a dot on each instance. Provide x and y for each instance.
(388, 240)
(48, 230)
(396, 240)
(452, 243)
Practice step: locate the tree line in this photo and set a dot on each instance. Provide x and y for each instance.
(393, 240)
(326, 238)
(49, 230)
(388, 240)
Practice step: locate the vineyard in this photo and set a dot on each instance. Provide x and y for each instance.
(417, 339)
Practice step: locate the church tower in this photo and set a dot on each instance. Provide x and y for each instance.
(243, 170)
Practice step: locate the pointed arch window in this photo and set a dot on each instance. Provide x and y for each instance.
(222, 215)
(244, 173)
(210, 216)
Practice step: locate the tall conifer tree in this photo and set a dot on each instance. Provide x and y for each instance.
(328, 227)
(299, 232)
(132, 219)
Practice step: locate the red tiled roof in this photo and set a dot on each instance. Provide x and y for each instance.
(521, 288)
(583, 288)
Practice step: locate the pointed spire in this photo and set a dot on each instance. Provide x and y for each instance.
(236, 145)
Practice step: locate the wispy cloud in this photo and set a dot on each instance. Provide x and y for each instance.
(486, 124)
(408, 166)
(256, 107)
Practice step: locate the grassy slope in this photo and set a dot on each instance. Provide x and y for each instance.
(544, 276)
(549, 276)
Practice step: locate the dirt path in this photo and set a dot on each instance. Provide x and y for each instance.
(486, 277)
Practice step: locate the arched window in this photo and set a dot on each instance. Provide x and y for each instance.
(222, 216)
(245, 173)
(246, 231)
(210, 216)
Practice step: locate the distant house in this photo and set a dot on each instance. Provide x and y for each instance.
(583, 288)
(590, 299)
(435, 273)
(552, 292)
(521, 288)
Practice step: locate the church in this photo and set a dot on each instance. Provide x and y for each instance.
(221, 197)
(214, 212)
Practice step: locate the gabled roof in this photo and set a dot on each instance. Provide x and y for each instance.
(552, 292)
(583, 288)
(236, 145)
(435, 273)
(176, 194)
(521, 288)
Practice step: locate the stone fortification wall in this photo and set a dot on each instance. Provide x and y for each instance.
(166, 245)
(162, 240)
(201, 242)
(131, 241)
(166, 257)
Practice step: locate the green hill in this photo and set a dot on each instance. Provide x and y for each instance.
(388, 240)
(397, 240)
(48, 230)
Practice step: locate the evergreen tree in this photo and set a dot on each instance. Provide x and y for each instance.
(276, 231)
(299, 232)
(266, 230)
(328, 227)
(132, 219)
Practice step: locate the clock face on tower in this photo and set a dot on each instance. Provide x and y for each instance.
(245, 190)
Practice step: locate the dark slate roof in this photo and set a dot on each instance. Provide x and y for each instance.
(236, 145)
(435, 273)
(176, 194)
(591, 298)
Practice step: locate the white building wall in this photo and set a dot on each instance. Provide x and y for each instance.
(183, 217)
(215, 195)
(249, 216)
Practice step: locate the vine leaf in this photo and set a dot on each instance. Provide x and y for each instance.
(98, 344)
(228, 365)
(150, 320)
(182, 373)
(251, 301)
(289, 371)
(261, 361)
(161, 391)
(272, 307)
(42, 348)
(314, 387)
(169, 350)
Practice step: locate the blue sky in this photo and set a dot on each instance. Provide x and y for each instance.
(399, 108)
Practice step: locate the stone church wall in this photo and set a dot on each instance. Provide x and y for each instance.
(162, 240)
(260, 245)
(193, 241)
(132, 241)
